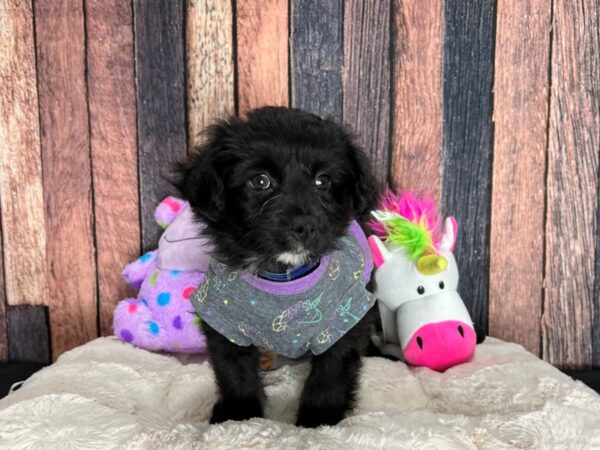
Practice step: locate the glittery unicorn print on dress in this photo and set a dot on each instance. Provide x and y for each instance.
(310, 313)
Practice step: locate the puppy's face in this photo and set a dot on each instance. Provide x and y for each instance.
(277, 188)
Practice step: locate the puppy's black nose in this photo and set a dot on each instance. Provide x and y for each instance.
(304, 227)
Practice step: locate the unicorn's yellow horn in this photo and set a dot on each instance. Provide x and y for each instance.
(431, 264)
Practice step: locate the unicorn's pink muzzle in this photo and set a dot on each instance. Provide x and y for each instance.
(441, 345)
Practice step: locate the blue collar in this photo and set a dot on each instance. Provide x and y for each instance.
(292, 274)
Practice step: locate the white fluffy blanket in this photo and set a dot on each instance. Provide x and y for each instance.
(107, 394)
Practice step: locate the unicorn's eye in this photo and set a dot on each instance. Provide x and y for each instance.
(442, 285)
(421, 290)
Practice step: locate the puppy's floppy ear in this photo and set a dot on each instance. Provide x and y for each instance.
(199, 180)
(365, 193)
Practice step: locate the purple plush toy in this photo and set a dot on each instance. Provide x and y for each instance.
(161, 317)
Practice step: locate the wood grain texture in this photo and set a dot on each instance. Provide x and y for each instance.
(316, 56)
(3, 331)
(366, 79)
(467, 142)
(520, 137)
(596, 297)
(111, 87)
(28, 333)
(210, 68)
(417, 95)
(67, 173)
(574, 143)
(162, 140)
(262, 53)
(21, 191)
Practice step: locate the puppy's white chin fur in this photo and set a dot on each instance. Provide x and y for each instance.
(293, 258)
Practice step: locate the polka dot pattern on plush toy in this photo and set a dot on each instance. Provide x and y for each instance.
(177, 323)
(126, 335)
(154, 329)
(188, 291)
(146, 257)
(173, 204)
(163, 299)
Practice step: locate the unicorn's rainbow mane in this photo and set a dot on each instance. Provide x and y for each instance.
(416, 226)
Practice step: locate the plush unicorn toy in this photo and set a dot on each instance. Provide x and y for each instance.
(425, 322)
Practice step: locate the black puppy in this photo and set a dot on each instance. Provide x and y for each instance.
(276, 190)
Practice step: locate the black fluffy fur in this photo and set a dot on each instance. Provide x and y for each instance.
(250, 229)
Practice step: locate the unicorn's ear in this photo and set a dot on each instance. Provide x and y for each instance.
(380, 253)
(449, 236)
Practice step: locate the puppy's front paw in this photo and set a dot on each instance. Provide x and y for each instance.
(241, 409)
(313, 417)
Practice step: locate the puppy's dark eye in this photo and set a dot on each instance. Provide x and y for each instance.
(323, 182)
(260, 182)
(442, 285)
(421, 290)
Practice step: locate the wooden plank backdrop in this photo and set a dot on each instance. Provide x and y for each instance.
(596, 295)
(417, 95)
(67, 177)
(520, 139)
(28, 328)
(3, 324)
(493, 107)
(467, 142)
(572, 184)
(366, 94)
(112, 110)
(160, 69)
(21, 191)
(210, 64)
(262, 54)
(316, 56)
